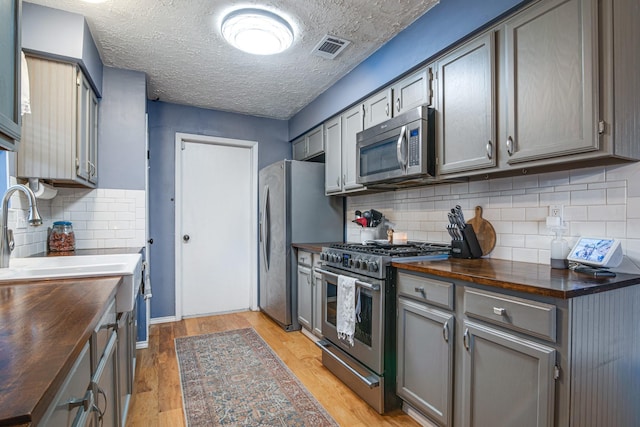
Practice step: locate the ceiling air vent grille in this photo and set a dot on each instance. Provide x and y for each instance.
(330, 47)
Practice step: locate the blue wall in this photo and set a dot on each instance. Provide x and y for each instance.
(164, 121)
(61, 35)
(122, 130)
(445, 24)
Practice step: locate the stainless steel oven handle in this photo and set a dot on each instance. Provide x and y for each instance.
(371, 381)
(360, 283)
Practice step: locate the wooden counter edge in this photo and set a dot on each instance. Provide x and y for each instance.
(520, 287)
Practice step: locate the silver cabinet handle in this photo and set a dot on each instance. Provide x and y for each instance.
(398, 105)
(386, 110)
(489, 150)
(499, 311)
(421, 291)
(445, 331)
(338, 181)
(85, 402)
(510, 146)
(465, 339)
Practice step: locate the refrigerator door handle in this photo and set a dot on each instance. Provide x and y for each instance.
(264, 228)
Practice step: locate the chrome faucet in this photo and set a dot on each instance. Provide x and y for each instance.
(6, 236)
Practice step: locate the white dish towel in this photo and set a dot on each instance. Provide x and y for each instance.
(348, 308)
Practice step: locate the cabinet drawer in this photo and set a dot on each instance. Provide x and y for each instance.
(532, 317)
(304, 258)
(435, 292)
(101, 334)
(68, 405)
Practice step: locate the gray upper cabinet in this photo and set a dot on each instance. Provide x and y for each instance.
(351, 125)
(60, 136)
(340, 158)
(551, 81)
(466, 121)
(412, 91)
(333, 156)
(425, 359)
(309, 145)
(507, 380)
(377, 108)
(10, 74)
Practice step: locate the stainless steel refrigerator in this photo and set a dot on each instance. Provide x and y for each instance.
(293, 209)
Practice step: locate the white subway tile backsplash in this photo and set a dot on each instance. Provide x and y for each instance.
(102, 218)
(597, 201)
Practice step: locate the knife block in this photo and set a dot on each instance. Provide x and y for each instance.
(468, 247)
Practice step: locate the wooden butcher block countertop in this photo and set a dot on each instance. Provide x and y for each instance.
(43, 327)
(537, 279)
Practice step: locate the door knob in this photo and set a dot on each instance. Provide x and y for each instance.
(186, 238)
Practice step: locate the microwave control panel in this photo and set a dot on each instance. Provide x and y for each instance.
(414, 147)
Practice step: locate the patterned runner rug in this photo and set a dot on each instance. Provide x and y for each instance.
(233, 378)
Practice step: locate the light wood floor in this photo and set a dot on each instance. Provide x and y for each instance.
(158, 401)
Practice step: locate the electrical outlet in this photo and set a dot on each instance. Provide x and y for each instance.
(556, 211)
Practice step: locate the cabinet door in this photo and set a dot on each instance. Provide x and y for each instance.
(317, 297)
(466, 112)
(425, 359)
(333, 156)
(305, 297)
(351, 125)
(412, 91)
(10, 74)
(377, 108)
(315, 142)
(507, 381)
(551, 63)
(299, 148)
(93, 138)
(83, 126)
(105, 382)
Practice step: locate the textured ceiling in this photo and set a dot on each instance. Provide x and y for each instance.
(177, 43)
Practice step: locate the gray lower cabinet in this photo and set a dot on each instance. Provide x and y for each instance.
(73, 402)
(305, 297)
(425, 359)
(105, 385)
(507, 380)
(309, 292)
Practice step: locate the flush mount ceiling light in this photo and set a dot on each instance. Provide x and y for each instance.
(257, 31)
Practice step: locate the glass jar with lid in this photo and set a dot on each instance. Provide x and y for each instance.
(62, 238)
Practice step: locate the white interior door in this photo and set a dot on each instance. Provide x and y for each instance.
(215, 225)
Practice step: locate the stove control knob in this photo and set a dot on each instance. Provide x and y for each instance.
(357, 263)
(334, 258)
(373, 267)
(364, 264)
(323, 257)
(351, 262)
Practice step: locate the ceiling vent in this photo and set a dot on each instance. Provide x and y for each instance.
(330, 47)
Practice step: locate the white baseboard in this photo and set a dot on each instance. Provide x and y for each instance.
(417, 416)
(166, 319)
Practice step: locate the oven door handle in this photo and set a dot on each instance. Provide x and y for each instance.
(371, 381)
(375, 288)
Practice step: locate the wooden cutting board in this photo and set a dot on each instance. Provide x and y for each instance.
(484, 231)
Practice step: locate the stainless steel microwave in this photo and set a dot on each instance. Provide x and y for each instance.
(397, 149)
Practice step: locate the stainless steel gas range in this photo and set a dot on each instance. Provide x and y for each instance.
(367, 367)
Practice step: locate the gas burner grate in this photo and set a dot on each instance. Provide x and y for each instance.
(411, 249)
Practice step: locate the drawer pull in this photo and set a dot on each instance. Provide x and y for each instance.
(465, 339)
(445, 332)
(499, 311)
(421, 291)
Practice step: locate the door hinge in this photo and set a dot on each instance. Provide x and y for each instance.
(556, 372)
(602, 126)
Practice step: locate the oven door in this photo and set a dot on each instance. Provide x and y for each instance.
(369, 333)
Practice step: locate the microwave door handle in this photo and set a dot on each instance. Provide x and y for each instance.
(400, 148)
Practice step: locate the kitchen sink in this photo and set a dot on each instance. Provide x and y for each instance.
(129, 266)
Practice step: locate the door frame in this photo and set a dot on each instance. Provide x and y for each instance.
(181, 139)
